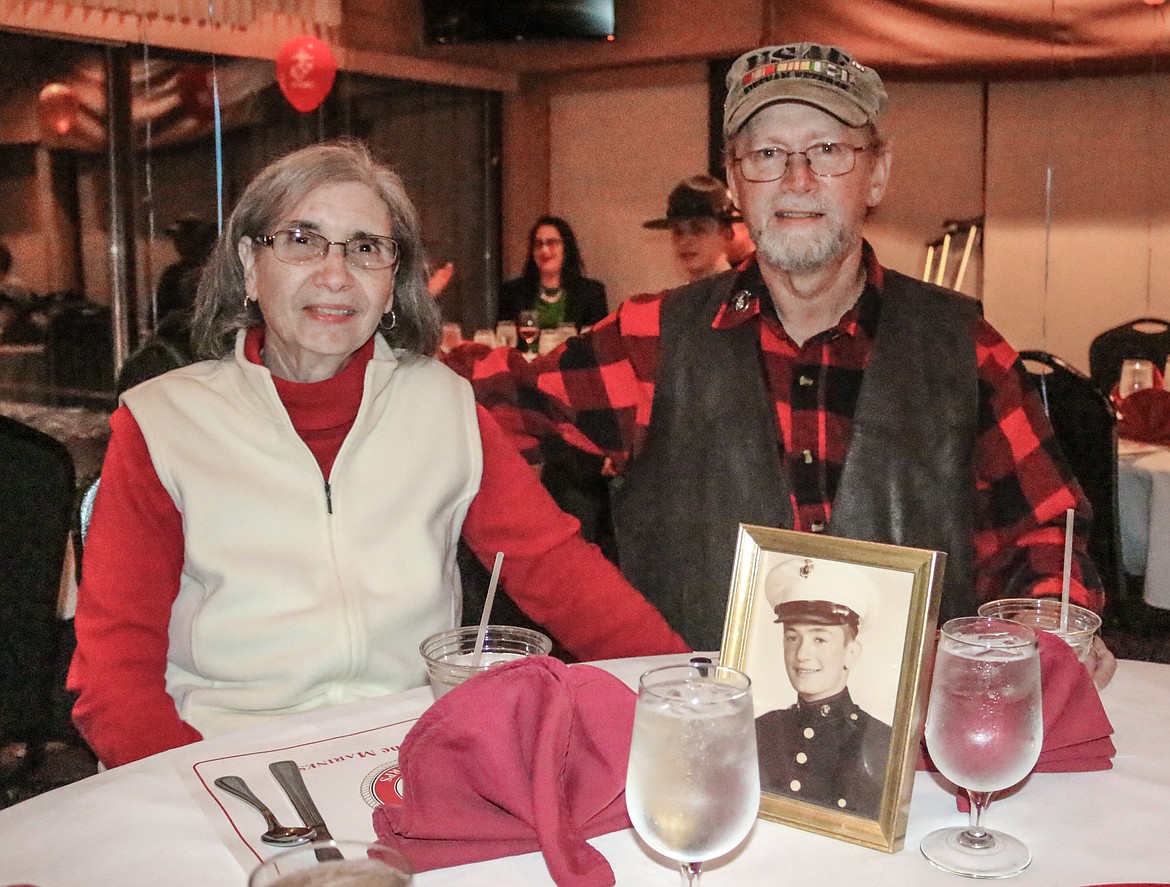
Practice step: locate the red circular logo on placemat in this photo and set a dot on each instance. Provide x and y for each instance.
(383, 785)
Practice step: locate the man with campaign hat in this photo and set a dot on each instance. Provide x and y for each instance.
(811, 388)
(824, 749)
(699, 216)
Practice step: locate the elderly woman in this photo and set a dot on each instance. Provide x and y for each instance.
(276, 526)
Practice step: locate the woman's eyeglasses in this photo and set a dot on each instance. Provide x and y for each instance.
(296, 246)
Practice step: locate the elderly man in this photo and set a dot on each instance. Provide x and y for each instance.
(812, 389)
(824, 749)
(699, 215)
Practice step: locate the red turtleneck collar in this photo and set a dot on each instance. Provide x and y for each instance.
(321, 412)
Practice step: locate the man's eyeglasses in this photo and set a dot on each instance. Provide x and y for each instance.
(827, 159)
(296, 246)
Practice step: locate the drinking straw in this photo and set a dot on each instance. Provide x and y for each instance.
(487, 610)
(1068, 541)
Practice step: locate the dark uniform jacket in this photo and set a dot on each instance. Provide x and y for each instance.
(712, 456)
(828, 752)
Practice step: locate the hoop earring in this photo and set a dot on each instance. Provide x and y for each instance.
(393, 320)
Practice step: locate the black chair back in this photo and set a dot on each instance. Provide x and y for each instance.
(1085, 424)
(36, 511)
(1147, 338)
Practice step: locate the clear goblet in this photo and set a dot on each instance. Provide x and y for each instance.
(983, 731)
(693, 784)
(331, 863)
(1136, 375)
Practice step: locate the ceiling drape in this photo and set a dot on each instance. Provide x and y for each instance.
(984, 39)
(239, 13)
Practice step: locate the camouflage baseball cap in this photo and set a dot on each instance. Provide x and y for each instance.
(826, 77)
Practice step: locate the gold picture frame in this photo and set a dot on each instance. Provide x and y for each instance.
(892, 655)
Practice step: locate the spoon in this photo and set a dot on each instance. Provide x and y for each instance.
(277, 834)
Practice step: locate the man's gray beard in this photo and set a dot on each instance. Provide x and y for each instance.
(777, 251)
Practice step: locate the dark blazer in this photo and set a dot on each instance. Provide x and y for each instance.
(586, 305)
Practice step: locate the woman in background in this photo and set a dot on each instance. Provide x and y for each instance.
(276, 525)
(554, 284)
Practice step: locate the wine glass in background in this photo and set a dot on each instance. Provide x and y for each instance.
(506, 331)
(452, 337)
(693, 784)
(983, 731)
(1135, 375)
(528, 329)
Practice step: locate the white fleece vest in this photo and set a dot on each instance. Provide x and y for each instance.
(284, 605)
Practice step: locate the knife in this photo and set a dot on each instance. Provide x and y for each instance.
(288, 774)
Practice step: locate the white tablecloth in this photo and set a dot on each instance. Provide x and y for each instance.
(152, 823)
(1143, 492)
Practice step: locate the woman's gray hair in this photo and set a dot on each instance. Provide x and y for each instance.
(220, 309)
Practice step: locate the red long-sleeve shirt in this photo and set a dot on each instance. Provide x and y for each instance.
(134, 557)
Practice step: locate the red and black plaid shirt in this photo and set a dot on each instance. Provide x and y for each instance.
(596, 392)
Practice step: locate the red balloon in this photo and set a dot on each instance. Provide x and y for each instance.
(305, 70)
(57, 107)
(194, 85)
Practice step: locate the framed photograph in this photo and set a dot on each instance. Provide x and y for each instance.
(837, 636)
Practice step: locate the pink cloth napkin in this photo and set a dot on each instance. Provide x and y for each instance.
(1076, 728)
(529, 756)
(1144, 415)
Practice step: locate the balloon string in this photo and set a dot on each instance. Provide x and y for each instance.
(218, 146)
(148, 182)
(1047, 248)
(218, 129)
(1048, 187)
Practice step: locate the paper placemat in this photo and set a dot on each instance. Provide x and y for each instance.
(347, 775)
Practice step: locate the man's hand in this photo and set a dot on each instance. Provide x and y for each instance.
(1101, 663)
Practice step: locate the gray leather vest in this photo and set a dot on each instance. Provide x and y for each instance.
(712, 454)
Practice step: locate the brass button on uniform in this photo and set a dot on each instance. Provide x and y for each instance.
(841, 803)
(801, 758)
(794, 785)
(809, 732)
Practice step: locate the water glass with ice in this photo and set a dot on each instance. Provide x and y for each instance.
(984, 728)
(450, 655)
(330, 863)
(693, 783)
(1044, 614)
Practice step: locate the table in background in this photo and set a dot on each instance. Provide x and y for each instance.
(1143, 493)
(139, 824)
(22, 367)
(85, 432)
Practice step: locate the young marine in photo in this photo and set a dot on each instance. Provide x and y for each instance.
(824, 749)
